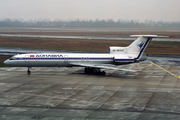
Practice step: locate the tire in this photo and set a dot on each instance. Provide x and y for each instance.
(28, 72)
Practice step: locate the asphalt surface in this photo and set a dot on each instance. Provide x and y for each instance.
(69, 94)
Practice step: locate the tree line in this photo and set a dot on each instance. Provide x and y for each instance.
(90, 23)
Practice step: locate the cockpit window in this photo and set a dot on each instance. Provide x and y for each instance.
(13, 58)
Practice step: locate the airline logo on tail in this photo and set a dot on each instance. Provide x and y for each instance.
(140, 45)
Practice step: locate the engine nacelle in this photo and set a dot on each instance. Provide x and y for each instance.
(117, 50)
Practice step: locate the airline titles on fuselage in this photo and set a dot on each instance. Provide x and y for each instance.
(47, 56)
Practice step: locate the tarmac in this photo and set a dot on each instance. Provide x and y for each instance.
(70, 94)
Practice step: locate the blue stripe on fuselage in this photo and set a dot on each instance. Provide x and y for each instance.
(81, 58)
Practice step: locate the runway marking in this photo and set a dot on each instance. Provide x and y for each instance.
(165, 70)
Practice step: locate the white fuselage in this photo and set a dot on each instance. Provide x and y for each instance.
(65, 59)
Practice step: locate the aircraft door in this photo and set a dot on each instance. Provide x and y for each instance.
(27, 58)
(66, 58)
(84, 59)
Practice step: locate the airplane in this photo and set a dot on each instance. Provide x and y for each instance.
(92, 62)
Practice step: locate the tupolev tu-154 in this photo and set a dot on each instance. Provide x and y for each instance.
(92, 62)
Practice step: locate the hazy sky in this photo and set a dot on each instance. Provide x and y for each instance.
(166, 10)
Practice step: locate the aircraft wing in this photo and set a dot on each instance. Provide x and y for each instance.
(104, 66)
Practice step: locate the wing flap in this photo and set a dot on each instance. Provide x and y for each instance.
(104, 66)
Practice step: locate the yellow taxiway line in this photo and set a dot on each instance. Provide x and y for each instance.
(164, 69)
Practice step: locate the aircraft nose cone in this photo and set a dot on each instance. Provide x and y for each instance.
(6, 62)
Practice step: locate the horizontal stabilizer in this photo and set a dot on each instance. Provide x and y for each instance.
(150, 36)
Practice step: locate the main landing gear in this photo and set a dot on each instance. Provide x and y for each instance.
(28, 71)
(95, 71)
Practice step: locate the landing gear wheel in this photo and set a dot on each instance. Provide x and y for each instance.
(103, 73)
(95, 71)
(28, 72)
(86, 70)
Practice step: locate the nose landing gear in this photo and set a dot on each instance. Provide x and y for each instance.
(28, 71)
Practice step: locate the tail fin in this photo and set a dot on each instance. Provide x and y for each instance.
(137, 48)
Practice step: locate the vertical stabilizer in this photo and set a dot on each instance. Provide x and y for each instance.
(137, 48)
